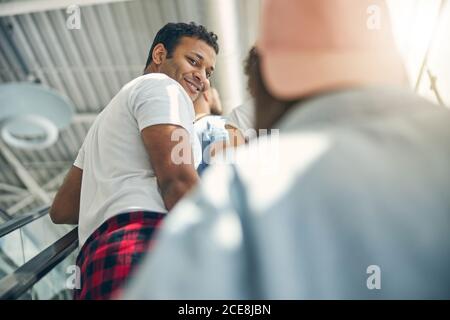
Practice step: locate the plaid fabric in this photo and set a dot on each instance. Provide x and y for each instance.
(112, 252)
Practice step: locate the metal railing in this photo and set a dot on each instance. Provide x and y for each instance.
(14, 285)
(5, 215)
(22, 220)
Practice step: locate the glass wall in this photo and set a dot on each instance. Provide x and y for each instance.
(21, 245)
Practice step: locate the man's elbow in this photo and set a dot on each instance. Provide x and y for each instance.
(174, 188)
(61, 215)
(54, 216)
(66, 204)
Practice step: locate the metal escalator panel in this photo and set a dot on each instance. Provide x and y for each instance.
(11, 252)
(35, 271)
(37, 236)
(38, 254)
(31, 234)
(58, 284)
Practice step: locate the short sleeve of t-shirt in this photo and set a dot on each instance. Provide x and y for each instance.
(80, 158)
(160, 100)
(242, 117)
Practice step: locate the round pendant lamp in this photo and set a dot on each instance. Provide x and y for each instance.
(31, 115)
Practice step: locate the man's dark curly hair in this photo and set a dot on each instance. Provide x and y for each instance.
(171, 33)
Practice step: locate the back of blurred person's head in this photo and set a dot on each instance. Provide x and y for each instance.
(268, 108)
(321, 46)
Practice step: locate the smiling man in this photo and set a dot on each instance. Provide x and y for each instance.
(125, 177)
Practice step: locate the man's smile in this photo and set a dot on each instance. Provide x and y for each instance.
(194, 87)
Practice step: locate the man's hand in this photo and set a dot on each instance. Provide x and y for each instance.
(170, 154)
(66, 205)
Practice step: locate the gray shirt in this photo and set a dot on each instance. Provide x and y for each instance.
(353, 204)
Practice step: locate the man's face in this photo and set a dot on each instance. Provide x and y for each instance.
(191, 64)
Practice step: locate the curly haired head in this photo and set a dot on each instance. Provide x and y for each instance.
(171, 33)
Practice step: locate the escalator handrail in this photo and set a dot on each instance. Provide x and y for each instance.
(20, 221)
(16, 284)
(5, 215)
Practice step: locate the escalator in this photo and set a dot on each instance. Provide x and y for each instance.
(34, 268)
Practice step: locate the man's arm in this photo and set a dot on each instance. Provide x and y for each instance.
(174, 178)
(66, 205)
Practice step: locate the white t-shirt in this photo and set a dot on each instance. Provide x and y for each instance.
(242, 117)
(117, 174)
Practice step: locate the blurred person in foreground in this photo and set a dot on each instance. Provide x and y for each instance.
(359, 204)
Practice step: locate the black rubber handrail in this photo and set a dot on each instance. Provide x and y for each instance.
(5, 215)
(18, 222)
(16, 284)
